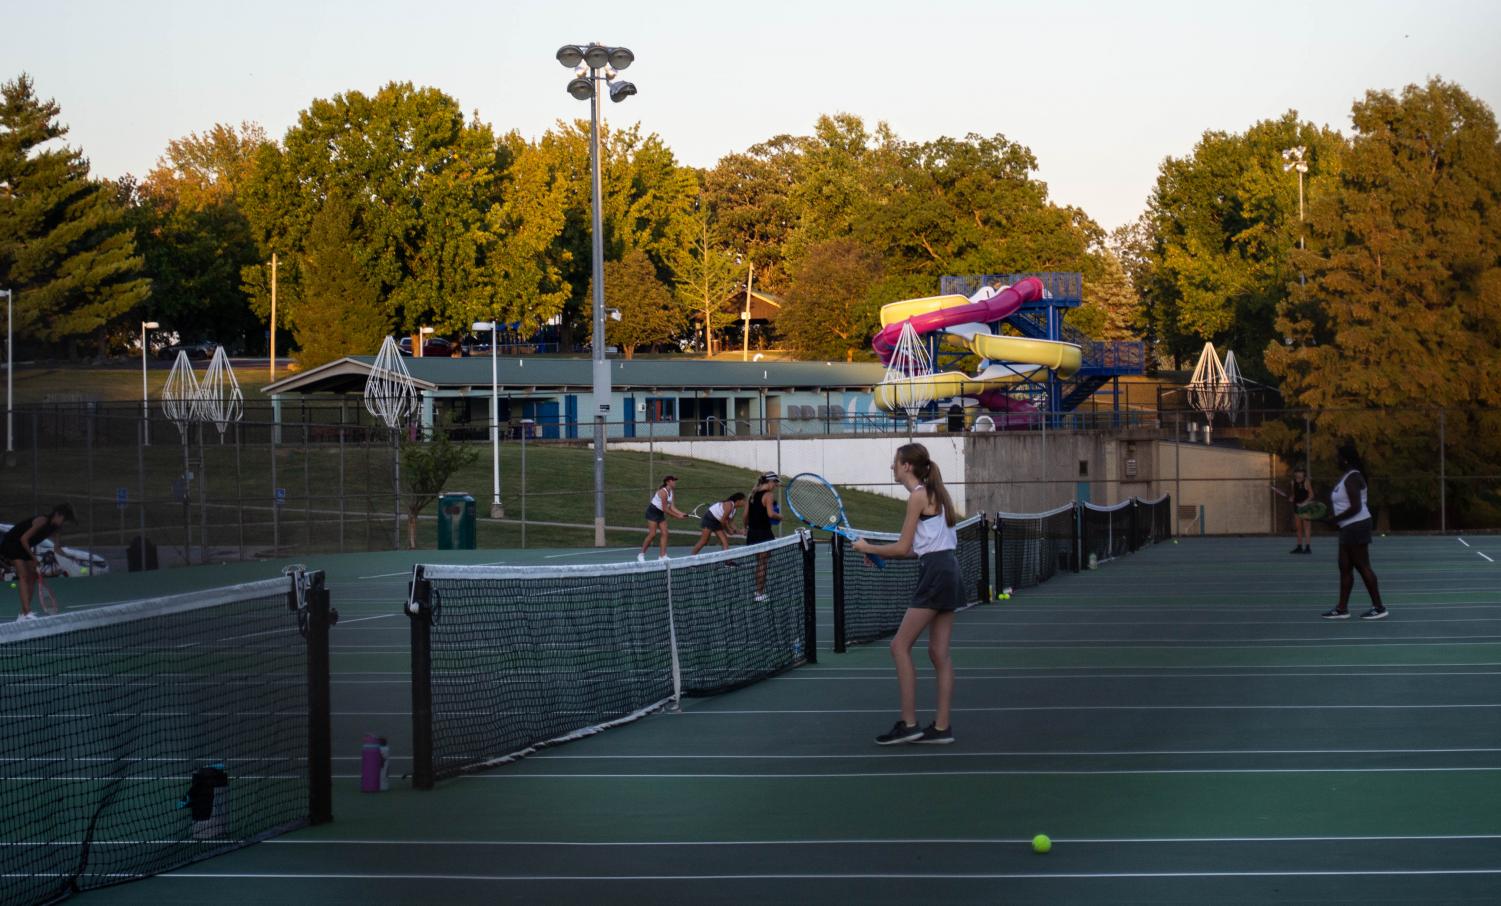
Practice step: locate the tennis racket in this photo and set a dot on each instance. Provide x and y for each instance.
(1313, 511)
(698, 511)
(1278, 491)
(813, 500)
(44, 596)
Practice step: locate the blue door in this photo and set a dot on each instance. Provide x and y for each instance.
(1081, 491)
(546, 415)
(630, 416)
(571, 416)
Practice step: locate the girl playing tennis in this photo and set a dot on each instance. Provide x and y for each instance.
(761, 517)
(18, 547)
(719, 521)
(657, 511)
(928, 534)
(1350, 513)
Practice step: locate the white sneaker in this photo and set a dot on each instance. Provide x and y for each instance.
(25, 616)
(664, 557)
(762, 597)
(641, 558)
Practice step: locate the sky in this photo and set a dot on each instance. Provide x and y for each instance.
(1101, 92)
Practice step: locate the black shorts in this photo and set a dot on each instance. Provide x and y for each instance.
(1356, 533)
(940, 584)
(15, 551)
(709, 522)
(755, 536)
(654, 515)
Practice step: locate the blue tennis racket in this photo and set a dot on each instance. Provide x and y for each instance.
(813, 500)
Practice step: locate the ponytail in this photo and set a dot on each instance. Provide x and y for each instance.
(927, 471)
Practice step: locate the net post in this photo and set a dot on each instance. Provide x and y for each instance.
(836, 554)
(320, 709)
(1078, 535)
(1131, 527)
(1000, 552)
(984, 559)
(810, 601)
(419, 612)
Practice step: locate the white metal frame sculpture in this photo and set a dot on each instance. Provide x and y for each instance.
(1217, 387)
(180, 396)
(909, 362)
(221, 400)
(391, 396)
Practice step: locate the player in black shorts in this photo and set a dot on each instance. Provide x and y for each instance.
(761, 516)
(657, 510)
(719, 521)
(18, 545)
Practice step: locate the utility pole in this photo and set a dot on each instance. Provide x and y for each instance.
(745, 317)
(273, 317)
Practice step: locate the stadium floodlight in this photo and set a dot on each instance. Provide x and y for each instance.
(600, 60)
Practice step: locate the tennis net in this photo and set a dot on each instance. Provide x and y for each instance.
(143, 736)
(507, 659)
(869, 602)
(1105, 531)
(1031, 548)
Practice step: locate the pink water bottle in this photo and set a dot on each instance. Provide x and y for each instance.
(373, 756)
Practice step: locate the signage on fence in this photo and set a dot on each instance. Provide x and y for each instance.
(180, 489)
(122, 496)
(281, 496)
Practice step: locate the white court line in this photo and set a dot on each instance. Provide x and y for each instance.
(1045, 772)
(844, 876)
(1487, 559)
(845, 756)
(1463, 541)
(585, 553)
(387, 616)
(941, 841)
(1016, 708)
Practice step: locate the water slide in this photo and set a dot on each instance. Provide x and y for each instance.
(1007, 360)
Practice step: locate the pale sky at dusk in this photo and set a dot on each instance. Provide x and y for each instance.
(1100, 92)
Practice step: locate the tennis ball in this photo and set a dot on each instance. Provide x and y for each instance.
(1041, 844)
(1004, 596)
(12, 585)
(1175, 540)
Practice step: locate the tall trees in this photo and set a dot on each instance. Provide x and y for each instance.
(1402, 308)
(65, 248)
(829, 312)
(706, 274)
(648, 313)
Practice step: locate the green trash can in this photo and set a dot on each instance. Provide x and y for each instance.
(456, 522)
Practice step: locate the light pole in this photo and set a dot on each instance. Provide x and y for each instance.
(422, 333)
(10, 358)
(595, 67)
(145, 393)
(1294, 159)
(497, 510)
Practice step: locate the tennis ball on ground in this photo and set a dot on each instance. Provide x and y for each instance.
(1004, 596)
(1041, 843)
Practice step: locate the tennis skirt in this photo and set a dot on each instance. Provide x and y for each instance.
(1356, 532)
(709, 522)
(940, 584)
(14, 551)
(654, 515)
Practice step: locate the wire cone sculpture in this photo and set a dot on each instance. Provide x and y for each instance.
(390, 394)
(902, 387)
(180, 396)
(220, 399)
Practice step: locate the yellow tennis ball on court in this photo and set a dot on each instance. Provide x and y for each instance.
(1041, 844)
(12, 585)
(1005, 596)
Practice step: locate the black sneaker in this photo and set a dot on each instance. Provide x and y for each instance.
(1308, 549)
(900, 733)
(1336, 614)
(1375, 613)
(932, 736)
(1296, 550)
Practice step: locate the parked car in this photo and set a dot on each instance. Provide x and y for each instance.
(201, 349)
(431, 347)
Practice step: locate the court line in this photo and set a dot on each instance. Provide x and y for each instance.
(845, 876)
(1463, 541)
(590, 551)
(543, 756)
(1487, 559)
(935, 841)
(1017, 772)
(1014, 708)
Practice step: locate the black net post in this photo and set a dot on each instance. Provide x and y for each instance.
(983, 592)
(810, 601)
(1078, 536)
(836, 549)
(1132, 536)
(320, 708)
(419, 611)
(1000, 553)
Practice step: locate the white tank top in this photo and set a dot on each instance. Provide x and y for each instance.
(656, 499)
(1341, 501)
(934, 534)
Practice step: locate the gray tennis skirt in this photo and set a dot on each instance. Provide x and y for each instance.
(655, 515)
(1356, 532)
(940, 584)
(707, 521)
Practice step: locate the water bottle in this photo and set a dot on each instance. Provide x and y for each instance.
(373, 755)
(797, 648)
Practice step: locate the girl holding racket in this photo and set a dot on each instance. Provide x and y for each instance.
(1300, 497)
(657, 511)
(928, 534)
(761, 517)
(18, 547)
(719, 521)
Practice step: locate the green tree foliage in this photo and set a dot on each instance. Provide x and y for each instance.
(1223, 224)
(194, 237)
(706, 275)
(648, 312)
(422, 183)
(830, 311)
(1112, 310)
(426, 466)
(342, 307)
(65, 248)
(750, 195)
(1402, 307)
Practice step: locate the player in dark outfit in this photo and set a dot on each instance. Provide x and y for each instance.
(18, 545)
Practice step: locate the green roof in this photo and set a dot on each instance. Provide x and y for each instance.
(555, 372)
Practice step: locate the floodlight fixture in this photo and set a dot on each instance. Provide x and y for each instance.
(621, 57)
(619, 91)
(570, 55)
(581, 89)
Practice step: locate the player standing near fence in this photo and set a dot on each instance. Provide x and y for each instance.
(1348, 501)
(18, 544)
(928, 534)
(657, 511)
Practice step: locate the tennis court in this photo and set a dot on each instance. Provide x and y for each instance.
(1180, 721)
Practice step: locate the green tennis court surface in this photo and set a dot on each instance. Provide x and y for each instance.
(1180, 721)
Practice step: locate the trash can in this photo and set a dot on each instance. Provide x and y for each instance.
(141, 554)
(456, 522)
